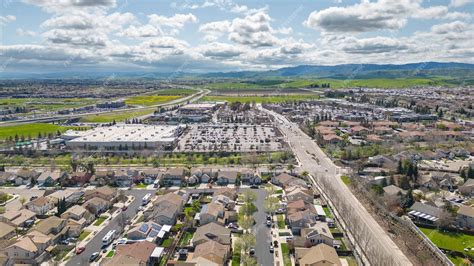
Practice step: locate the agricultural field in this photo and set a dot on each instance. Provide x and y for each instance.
(150, 100)
(31, 130)
(158, 97)
(45, 104)
(117, 116)
(261, 99)
(334, 83)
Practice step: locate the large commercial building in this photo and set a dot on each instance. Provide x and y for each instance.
(123, 137)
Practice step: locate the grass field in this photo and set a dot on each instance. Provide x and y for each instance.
(46, 104)
(118, 117)
(260, 99)
(149, 100)
(184, 241)
(31, 130)
(334, 83)
(450, 240)
(281, 221)
(346, 180)
(328, 212)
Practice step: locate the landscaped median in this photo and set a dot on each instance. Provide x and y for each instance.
(281, 221)
(84, 234)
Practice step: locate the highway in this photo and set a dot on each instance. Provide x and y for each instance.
(189, 98)
(313, 160)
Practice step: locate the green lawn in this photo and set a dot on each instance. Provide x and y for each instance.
(346, 180)
(260, 99)
(100, 220)
(328, 212)
(110, 254)
(285, 252)
(236, 256)
(84, 234)
(458, 261)
(167, 243)
(184, 241)
(149, 100)
(141, 185)
(40, 105)
(117, 116)
(31, 130)
(351, 261)
(281, 221)
(450, 240)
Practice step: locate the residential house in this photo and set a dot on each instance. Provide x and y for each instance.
(298, 193)
(105, 193)
(211, 253)
(321, 254)
(102, 177)
(54, 227)
(40, 206)
(97, 205)
(10, 178)
(465, 217)
(124, 177)
(332, 139)
(25, 251)
(146, 230)
(282, 179)
(212, 212)
(166, 209)
(317, 234)
(150, 175)
(202, 175)
(6, 231)
(228, 192)
(301, 219)
(467, 189)
(174, 176)
(211, 232)
(227, 177)
(299, 205)
(80, 178)
(138, 253)
(78, 213)
(425, 213)
(20, 218)
(248, 176)
(26, 175)
(71, 196)
(51, 178)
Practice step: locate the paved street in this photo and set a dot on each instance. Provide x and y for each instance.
(313, 160)
(262, 232)
(96, 243)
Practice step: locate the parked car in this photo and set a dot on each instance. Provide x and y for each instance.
(272, 249)
(94, 256)
(124, 208)
(79, 250)
(269, 223)
(251, 251)
(269, 218)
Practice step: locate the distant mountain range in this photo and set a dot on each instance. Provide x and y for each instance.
(357, 71)
(353, 71)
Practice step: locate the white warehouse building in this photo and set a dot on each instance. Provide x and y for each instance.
(126, 137)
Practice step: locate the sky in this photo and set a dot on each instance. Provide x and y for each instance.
(39, 36)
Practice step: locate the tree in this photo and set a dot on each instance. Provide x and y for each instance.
(246, 242)
(290, 168)
(271, 204)
(245, 221)
(399, 167)
(407, 200)
(22, 201)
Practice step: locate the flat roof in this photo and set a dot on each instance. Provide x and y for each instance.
(129, 133)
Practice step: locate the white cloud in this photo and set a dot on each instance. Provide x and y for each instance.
(214, 30)
(220, 50)
(141, 31)
(64, 6)
(4, 20)
(459, 3)
(177, 21)
(23, 32)
(374, 45)
(253, 30)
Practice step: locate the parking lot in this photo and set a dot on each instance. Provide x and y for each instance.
(230, 138)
